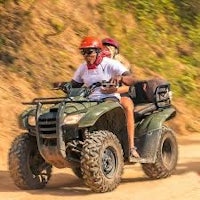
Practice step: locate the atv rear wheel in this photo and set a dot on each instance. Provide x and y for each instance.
(27, 168)
(102, 161)
(167, 156)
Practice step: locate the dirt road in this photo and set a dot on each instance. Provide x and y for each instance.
(184, 184)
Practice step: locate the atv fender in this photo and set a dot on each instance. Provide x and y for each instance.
(148, 134)
(94, 113)
(23, 118)
(154, 121)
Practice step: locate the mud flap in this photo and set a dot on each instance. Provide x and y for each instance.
(147, 146)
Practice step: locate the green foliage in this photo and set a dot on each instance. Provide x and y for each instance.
(166, 34)
(186, 85)
(2, 41)
(15, 1)
(3, 1)
(57, 24)
(188, 10)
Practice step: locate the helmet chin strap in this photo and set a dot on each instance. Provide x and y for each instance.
(98, 60)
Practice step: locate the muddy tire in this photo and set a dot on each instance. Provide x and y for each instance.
(102, 161)
(167, 156)
(77, 171)
(27, 168)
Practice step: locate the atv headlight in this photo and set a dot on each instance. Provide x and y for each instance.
(31, 120)
(73, 119)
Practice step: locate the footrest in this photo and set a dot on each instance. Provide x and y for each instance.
(140, 160)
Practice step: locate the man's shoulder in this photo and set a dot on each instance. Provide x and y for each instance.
(82, 65)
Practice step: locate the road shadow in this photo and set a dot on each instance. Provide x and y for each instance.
(188, 141)
(6, 183)
(186, 167)
(66, 184)
(135, 179)
(60, 184)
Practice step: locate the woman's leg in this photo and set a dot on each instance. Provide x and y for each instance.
(128, 106)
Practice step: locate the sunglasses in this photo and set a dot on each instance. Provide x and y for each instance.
(88, 51)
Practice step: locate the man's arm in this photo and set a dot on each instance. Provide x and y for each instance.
(118, 80)
(126, 78)
(76, 84)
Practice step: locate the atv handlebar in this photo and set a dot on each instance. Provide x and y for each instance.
(66, 87)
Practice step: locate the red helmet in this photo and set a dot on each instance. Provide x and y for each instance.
(91, 42)
(111, 42)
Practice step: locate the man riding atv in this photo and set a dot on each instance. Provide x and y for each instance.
(86, 130)
(98, 68)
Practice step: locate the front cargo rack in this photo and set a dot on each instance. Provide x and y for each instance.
(55, 100)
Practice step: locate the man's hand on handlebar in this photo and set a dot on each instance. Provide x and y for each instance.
(64, 86)
(108, 87)
(108, 90)
(58, 85)
(124, 79)
(116, 80)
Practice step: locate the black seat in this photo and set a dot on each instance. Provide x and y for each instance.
(141, 110)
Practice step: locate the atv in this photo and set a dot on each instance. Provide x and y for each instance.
(90, 137)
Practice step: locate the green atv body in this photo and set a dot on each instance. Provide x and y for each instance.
(90, 137)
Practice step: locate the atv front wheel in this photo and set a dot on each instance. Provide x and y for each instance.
(77, 172)
(102, 161)
(27, 168)
(167, 156)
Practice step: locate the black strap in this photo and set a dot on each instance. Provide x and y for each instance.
(94, 85)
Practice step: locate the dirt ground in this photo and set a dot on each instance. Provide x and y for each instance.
(184, 184)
